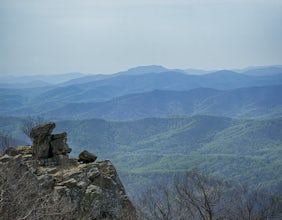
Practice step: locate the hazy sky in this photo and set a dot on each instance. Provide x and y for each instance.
(103, 36)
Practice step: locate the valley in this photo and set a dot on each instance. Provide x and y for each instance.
(154, 125)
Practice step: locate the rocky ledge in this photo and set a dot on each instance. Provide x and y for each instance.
(66, 190)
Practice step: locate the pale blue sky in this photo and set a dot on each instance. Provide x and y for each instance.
(105, 36)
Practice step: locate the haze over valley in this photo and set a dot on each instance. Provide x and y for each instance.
(141, 110)
(152, 121)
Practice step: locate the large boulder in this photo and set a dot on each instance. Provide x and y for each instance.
(59, 144)
(42, 130)
(86, 157)
(41, 138)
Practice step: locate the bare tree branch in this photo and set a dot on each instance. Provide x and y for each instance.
(29, 123)
(197, 196)
(5, 141)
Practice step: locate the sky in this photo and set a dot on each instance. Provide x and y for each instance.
(107, 36)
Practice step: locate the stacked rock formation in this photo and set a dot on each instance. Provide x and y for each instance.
(88, 190)
(47, 145)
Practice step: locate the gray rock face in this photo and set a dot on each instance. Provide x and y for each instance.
(40, 131)
(41, 137)
(13, 151)
(59, 144)
(86, 157)
(47, 145)
(74, 191)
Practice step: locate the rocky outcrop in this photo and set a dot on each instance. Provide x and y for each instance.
(47, 145)
(68, 189)
(71, 191)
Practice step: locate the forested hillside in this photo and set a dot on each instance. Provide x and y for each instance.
(247, 150)
(239, 149)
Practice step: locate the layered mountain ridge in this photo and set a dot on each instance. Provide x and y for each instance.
(107, 96)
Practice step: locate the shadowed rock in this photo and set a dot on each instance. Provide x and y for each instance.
(59, 144)
(41, 138)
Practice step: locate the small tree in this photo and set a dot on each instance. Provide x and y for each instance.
(200, 194)
(192, 195)
(5, 141)
(29, 123)
(157, 203)
(250, 203)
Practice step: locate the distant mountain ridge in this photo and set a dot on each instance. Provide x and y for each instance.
(149, 91)
(251, 102)
(30, 81)
(119, 85)
(76, 77)
(261, 71)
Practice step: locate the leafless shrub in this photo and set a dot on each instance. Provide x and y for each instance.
(5, 141)
(196, 195)
(29, 123)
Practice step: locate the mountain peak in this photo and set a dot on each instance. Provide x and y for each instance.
(146, 69)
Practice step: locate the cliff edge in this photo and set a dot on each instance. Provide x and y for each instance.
(56, 187)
